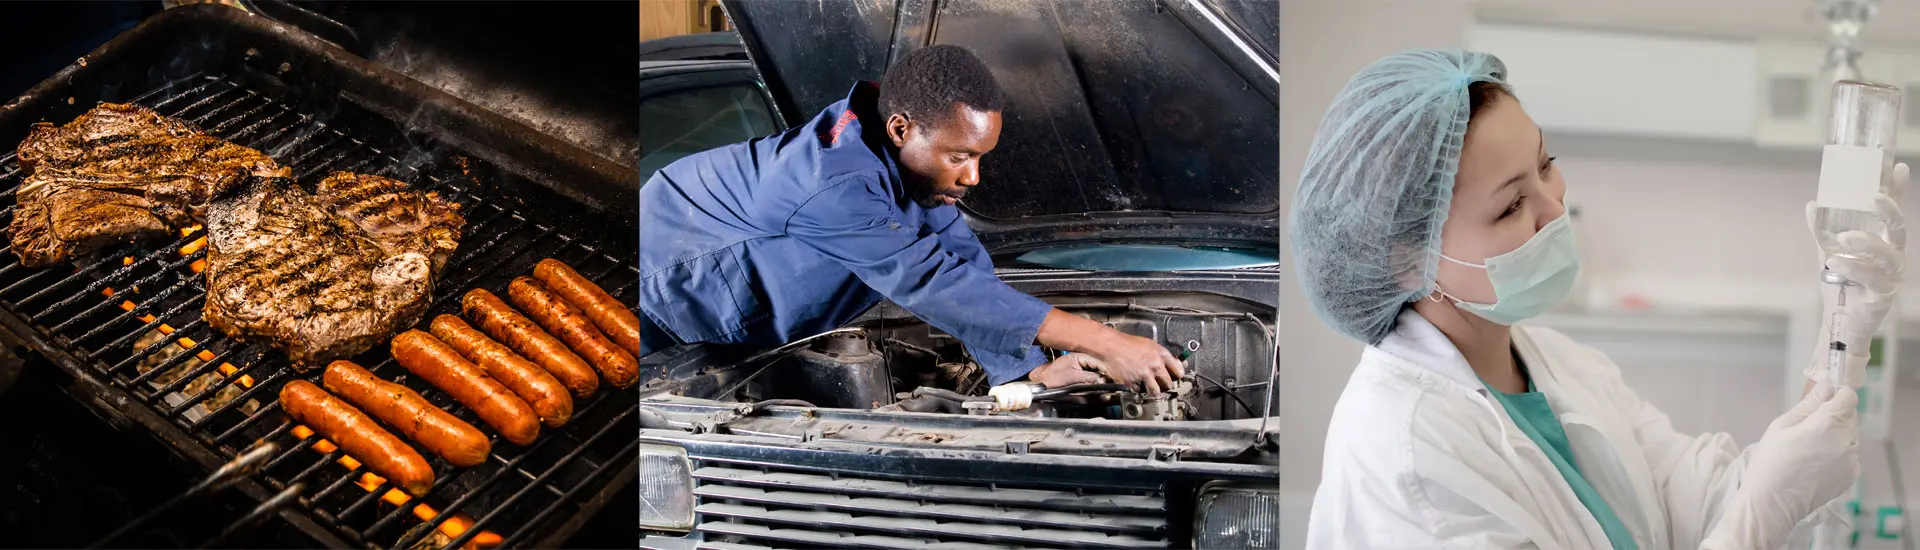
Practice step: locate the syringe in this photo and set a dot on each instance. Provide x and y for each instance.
(1837, 370)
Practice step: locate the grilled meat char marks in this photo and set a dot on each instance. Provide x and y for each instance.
(282, 267)
(322, 276)
(397, 218)
(120, 173)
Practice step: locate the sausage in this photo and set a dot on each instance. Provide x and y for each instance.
(613, 317)
(518, 332)
(357, 433)
(396, 405)
(432, 360)
(532, 383)
(572, 326)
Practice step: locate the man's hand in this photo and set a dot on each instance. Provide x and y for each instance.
(1069, 369)
(1129, 359)
(1139, 362)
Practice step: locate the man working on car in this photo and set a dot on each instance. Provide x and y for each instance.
(790, 235)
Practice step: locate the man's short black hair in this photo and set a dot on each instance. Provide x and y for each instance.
(927, 83)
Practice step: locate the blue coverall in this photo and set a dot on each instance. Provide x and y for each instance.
(785, 236)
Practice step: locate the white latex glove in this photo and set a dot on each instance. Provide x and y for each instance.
(1808, 457)
(1876, 269)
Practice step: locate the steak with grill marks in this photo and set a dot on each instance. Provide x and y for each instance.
(119, 173)
(399, 219)
(283, 267)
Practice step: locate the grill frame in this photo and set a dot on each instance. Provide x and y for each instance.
(309, 75)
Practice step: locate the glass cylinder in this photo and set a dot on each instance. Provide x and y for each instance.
(1864, 125)
(1864, 114)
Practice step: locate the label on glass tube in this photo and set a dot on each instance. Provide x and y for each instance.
(1850, 177)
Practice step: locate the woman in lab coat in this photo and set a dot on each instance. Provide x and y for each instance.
(1429, 221)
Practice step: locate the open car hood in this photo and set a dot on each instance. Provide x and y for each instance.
(1126, 121)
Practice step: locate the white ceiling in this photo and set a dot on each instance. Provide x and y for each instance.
(1896, 25)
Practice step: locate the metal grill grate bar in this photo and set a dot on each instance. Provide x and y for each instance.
(94, 289)
(631, 450)
(460, 503)
(139, 308)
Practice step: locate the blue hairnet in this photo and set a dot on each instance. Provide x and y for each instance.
(1366, 220)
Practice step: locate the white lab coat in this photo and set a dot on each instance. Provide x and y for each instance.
(1420, 456)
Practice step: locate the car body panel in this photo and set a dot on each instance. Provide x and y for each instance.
(1137, 121)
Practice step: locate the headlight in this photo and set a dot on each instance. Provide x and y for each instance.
(666, 488)
(1235, 516)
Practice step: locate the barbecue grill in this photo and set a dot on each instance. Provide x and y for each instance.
(125, 323)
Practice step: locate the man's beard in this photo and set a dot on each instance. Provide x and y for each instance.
(927, 197)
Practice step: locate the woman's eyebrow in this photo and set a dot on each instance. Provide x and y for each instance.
(1523, 175)
(1509, 183)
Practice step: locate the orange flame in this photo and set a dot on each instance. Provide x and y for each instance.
(187, 343)
(453, 527)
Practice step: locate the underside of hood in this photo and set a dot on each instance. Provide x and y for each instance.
(1152, 119)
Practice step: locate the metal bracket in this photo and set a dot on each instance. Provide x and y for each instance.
(1165, 453)
(817, 432)
(706, 426)
(978, 408)
(714, 422)
(1019, 447)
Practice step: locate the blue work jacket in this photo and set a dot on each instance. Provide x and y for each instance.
(789, 235)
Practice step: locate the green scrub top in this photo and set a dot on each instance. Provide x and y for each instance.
(1536, 419)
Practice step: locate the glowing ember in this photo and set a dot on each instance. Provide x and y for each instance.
(453, 527)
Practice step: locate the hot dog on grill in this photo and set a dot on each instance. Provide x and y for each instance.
(573, 327)
(429, 358)
(459, 442)
(527, 380)
(518, 332)
(357, 433)
(613, 317)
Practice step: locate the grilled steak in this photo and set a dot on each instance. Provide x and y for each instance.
(282, 267)
(119, 173)
(398, 219)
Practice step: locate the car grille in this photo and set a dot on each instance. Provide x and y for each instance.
(742, 506)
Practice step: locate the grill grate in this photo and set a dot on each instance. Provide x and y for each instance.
(132, 318)
(748, 505)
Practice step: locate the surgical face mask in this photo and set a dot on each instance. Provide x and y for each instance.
(1529, 279)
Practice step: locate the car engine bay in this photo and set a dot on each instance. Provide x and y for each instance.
(890, 361)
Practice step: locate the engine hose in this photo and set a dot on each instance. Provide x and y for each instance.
(929, 403)
(1051, 393)
(948, 395)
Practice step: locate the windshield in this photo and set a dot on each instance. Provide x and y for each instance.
(1141, 257)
